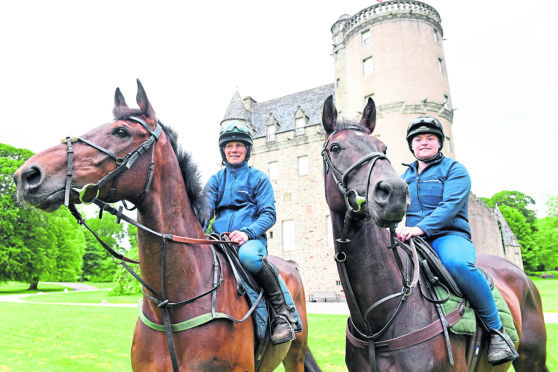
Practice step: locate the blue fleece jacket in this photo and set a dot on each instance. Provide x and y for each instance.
(439, 198)
(241, 198)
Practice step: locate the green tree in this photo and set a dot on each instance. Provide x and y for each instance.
(522, 231)
(33, 244)
(546, 237)
(98, 264)
(518, 200)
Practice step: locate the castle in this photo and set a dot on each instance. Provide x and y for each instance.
(393, 52)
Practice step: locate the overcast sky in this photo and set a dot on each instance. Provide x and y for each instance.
(62, 60)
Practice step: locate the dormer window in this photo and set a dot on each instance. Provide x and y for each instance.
(271, 128)
(300, 121)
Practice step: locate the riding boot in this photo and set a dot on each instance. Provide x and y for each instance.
(501, 349)
(281, 328)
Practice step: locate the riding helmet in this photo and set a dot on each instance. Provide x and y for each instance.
(235, 132)
(425, 125)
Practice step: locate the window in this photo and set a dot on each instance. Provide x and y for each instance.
(368, 66)
(271, 133)
(440, 65)
(338, 83)
(299, 126)
(446, 102)
(365, 37)
(447, 144)
(303, 165)
(289, 241)
(436, 36)
(273, 170)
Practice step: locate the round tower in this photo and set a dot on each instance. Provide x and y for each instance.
(393, 52)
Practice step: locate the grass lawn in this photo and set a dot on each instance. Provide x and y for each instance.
(48, 337)
(549, 292)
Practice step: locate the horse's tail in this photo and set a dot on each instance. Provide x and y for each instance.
(310, 364)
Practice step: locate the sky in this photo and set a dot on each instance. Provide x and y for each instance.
(61, 61)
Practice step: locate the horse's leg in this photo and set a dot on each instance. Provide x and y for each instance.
(532, 345)
(294, 360)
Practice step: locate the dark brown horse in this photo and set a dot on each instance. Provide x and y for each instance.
(383, 298)
(113, 161)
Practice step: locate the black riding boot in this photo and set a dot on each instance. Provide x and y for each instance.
(501, 349)
(281, 328)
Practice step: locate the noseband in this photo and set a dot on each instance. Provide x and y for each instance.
(341, 181)
(122, 164)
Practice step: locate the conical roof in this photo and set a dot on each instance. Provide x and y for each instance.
(236, 110)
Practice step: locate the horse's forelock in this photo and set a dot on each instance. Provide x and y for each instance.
(347, 124)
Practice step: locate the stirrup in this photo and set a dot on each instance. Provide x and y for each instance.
(511, 352)
(283, 322)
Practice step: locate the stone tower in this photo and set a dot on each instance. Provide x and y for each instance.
(393, 52)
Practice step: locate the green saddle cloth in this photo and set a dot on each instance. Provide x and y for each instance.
(468, 323)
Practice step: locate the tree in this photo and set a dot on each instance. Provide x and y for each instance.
(546, 237)
(33, 244)
(98, 264)
(515, 199)
(517, 209)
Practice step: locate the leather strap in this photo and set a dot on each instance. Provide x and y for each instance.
(408, 339)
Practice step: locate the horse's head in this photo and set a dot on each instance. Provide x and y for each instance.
(358, 176)
(93, 164)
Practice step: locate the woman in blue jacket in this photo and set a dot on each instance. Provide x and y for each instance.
(439, 189)
(242, 202)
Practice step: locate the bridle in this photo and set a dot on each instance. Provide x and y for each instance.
(340, 179)
(122, 164)
(159, 299)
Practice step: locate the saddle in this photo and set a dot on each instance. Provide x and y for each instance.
(449, 297)
(247, 286)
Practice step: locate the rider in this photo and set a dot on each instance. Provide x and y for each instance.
(439, 189)
(242, 202)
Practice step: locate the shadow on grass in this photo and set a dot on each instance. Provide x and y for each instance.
(23, 288)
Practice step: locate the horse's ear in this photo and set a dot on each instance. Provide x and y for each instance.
(143, 102)
(329, 116)
(119, 100)
(369, 115)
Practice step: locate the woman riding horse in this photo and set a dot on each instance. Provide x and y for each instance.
(439, 188)
(242, 202)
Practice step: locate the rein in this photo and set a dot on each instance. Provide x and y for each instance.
(159, 299)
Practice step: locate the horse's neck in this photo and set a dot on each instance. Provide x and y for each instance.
(371, 267)
(168, 210)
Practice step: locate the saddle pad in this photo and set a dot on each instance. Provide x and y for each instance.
(467, 324)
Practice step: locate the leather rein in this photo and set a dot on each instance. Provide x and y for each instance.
(159, 299)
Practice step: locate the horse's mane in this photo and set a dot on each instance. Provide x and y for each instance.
(189, 170)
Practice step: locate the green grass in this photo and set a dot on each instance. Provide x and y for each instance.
(47, 337)
(549, 292)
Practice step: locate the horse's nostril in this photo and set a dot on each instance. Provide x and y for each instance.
(31, 178)
(382, 191)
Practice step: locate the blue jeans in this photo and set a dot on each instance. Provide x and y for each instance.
(251, 255)
(458, 256)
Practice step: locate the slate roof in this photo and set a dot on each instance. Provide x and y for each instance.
(283, 109)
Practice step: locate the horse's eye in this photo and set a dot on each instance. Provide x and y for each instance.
(335, 148)
(120, 132)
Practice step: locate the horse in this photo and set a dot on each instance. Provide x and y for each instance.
(136, 158)
(379, 275)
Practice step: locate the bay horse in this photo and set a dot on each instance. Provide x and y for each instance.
(136, 158)
(379, 278)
